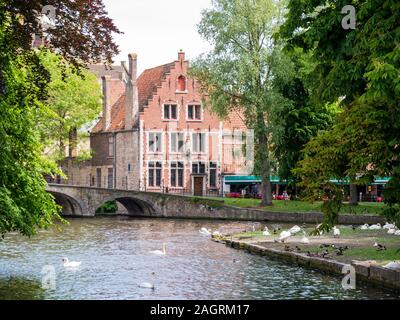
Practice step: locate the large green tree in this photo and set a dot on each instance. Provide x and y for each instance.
(73, 103)
(82, 33)
(239, 72)
(361, 67)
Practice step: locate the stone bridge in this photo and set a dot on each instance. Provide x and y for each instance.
(84, 201)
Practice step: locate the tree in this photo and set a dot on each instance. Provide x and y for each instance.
(82, 33)
(362, 67)
(240, 70)
(74, 101)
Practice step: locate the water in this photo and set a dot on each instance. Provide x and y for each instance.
(116, 260)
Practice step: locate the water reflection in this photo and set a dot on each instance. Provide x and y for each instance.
(116, 259)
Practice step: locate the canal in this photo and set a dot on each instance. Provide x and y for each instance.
(116, 260)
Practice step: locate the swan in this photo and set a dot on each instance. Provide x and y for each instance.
(162, 252)
(391, 231)
(266, 232)
(389, 226)
(375, 227)
(205, 231)
(71, 264)
(397, 233)
(393, 265)
(284, 236)
(336, 232)
(147, 285)
(365, 227)
(217, 234)
(294, 230)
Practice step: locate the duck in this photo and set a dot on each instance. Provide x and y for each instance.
(377, 226)
(294, 230)
(162, 252)
(379, 247)
(205, 231)
(71, 264)
(389, 226)
(147, 285)
(365, 227)
(284, 236)
(393, 265)
(336, 232)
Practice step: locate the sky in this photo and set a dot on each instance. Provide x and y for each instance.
(157, 29)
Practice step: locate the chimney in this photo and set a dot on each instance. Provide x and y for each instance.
(106, 84)
(181, 56)
(131, 93)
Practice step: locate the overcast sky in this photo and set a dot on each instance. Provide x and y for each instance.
(157, 29)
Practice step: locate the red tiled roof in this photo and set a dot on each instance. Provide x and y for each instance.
(149, 80)
(117, 117)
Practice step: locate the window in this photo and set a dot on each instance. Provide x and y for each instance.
(177, 142)
(154, 142)
(181, 83)
(155, 174)
(194, 112)
(170, 112)
(110, 178)
(111, 146)
(129, 167)
(177, 174)
(213, 175)
(198, 168)
(198, 140)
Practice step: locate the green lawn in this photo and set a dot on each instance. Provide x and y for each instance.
(303, 206)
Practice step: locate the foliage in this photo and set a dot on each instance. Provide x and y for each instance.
(108, 207)
(83, 33)
(73, 103)
(363, 67)
(239, 72)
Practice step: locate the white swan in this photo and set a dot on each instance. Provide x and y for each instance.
(397, 233)
(365, 227)
(266, 232)
(305, 240)
(284, 236)
(391, 231)
(377, 226)
(205, 231)
(294, 230)
(336, 231)
(147, 285)
(389, 226)
(393, 265)
(71, 264)
(162, 252)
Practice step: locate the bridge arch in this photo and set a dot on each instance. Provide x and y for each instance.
(70, 206)
(133, 205)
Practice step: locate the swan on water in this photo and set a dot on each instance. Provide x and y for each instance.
(365, 227)
(205, 231)
(147, 285)
(294, 230)
(71, 264)
(162, 252)
(336, 231)
(375, 227)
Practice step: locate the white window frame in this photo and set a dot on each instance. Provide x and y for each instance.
(205, 151)
(201, 112)
(177, 145)
(216, 174)
(177, 111)
(155, 176)
(183, 176)
(161, 144)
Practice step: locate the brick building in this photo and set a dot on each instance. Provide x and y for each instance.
(155, 134)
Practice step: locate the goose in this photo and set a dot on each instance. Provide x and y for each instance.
(284, 236)
(294, 230)
(336, 232)
(389, 226)
(205, 231)
(147, 285)
(266, 232)
(365, 227)
(71, 264)
(162, 252)
(375, 227)
(393, 265)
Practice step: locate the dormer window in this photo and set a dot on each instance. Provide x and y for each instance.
(181, 84)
